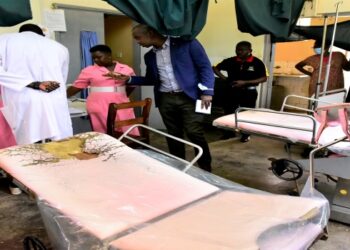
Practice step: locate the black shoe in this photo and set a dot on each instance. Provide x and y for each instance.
(245, 138)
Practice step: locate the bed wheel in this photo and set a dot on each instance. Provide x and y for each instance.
(286, 169)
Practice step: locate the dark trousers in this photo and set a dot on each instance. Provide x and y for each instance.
(240, 98)
(179, 116)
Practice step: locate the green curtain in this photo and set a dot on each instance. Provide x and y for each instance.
(13, 12)
(275, 17)
(342, 34)
(184, 18)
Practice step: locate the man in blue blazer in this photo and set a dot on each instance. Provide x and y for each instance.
(175, 67)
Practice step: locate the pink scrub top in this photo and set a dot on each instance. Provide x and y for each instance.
(98, 102)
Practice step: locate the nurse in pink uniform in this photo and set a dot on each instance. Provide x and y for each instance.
(103, 89)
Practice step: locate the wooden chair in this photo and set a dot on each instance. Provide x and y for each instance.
(113, 124)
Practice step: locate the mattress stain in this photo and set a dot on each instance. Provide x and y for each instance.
(65, 149)
(84, 146)
(68, 149)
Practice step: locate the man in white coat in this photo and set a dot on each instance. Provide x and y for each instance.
(33, 74)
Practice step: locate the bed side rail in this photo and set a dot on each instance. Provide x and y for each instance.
(312, 130)
(335, 106)
(189, 164)
(326, 98)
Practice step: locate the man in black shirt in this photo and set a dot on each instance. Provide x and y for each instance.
(244, 73)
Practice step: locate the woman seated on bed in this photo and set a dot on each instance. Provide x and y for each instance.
(103, 89)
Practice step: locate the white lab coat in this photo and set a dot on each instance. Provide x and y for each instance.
(33, 114)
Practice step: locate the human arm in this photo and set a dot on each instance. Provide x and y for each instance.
(82, 82)
(259, 76)
(131, 80)
(126, 70)
(300, 66)
(218, 73)
(203, 67)
(345, 63)
(13, 81)
(72, 91)
(46, 86)
(9, 79)
(151, 73)
(248, 83)
(18, 82)
(120, 74)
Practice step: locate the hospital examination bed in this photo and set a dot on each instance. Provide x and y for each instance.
(94, 192)
(326, 127)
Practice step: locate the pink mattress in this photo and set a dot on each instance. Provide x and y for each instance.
(232, 220)
(115, 191)
(292, 135)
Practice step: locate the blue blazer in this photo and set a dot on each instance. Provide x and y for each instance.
(191, 66)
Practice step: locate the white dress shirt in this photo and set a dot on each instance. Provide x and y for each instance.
(165, 69)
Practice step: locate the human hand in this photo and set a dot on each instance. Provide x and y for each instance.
(117, 76)
(206, 101)
(112, 75)
(238, 84)
(48, 86)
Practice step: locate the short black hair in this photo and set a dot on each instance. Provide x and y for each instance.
(31, 27)
(102, 48)
(244, 44)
